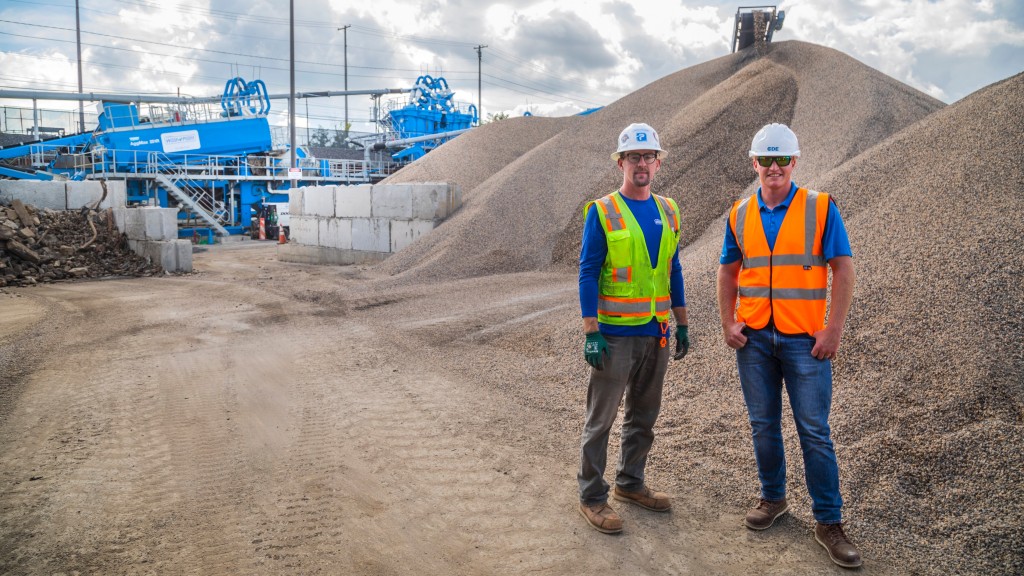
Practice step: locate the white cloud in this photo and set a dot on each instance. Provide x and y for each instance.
(892, 35)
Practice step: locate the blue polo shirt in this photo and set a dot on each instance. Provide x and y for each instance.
(834, 242)
(595, 250)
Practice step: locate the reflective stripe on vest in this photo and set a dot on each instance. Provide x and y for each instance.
(787, 285)
(632, 306)
(631, 292)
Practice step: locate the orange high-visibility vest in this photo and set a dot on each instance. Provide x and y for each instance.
(630, 291)
(787, 285)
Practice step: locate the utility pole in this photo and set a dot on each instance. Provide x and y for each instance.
(344, 30)
(291, 95)
(479, 83)
(81, 103)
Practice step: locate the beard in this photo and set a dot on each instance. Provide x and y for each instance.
(641, 179)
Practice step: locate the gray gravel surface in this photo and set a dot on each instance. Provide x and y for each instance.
(928, 404)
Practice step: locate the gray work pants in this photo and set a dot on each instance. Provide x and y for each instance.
(635, 367)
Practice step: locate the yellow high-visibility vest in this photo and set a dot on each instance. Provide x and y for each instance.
(630, 291)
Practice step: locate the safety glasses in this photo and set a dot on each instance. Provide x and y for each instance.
(634, 157)
(766, 161)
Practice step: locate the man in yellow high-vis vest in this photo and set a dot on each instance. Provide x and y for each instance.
(772, 289)
(631, 286)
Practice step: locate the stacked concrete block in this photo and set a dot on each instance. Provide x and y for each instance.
(354, 201)
(336, 233)
(117, 194)
(366, 222)
(49, 194)
(318, 201)
(172, 255)
(147, 223)
(393, 202)
(295, 197)
(405, 232)
(82, 194)
(96, 194)
(305, 230)
(371, 234)
(435, 200)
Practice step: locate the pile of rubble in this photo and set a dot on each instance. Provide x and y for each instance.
(49, 246)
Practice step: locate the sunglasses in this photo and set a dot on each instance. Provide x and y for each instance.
(766, 161)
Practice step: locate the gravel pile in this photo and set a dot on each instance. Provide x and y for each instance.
(929, 399)
(705, 115)
(48, 246)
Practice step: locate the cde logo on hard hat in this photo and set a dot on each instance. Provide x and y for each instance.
(641, 136)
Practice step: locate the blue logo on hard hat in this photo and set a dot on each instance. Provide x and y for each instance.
(773, 148)
(641, 136)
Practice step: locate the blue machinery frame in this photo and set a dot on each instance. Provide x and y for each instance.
(216, 165)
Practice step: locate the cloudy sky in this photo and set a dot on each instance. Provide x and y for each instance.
(549, 57)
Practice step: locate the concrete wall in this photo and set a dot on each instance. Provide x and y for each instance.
(65, 195)
(364, 223)
(152, 232)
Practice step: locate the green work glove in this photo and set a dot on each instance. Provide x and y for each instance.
(595, 350)
(682, 341)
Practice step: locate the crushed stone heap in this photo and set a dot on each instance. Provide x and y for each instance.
(49, 246)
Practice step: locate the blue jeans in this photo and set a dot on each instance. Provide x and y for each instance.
(768, 359)
(635, 368)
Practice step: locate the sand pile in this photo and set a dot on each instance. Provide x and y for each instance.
(929, 400)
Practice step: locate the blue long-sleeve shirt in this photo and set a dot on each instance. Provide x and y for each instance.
(595, 250)
(834, 240)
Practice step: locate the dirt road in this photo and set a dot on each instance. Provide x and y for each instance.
(261, 417)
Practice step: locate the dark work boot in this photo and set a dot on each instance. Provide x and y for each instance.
(839, 547)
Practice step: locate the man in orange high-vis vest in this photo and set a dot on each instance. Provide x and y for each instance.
(631, 286)
(772, 286)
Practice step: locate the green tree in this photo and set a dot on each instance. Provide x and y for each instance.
(320, 137)
(496, 117)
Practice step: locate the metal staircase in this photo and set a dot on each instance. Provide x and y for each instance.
(175, 179)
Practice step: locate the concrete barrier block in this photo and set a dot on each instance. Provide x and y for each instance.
(434, 201)
(392, 201)
(133, 224)
(295, 206)
(80, 194)
(183, 257)
(117, 194)
(120, 215)
(405, 232)
(160, 223)
(162, 252)
(371, 234)
(353, 201)
(336, 233)
(48, 194)
(318, 201)
(305, 230)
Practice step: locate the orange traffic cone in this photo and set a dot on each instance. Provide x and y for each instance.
(280, 235)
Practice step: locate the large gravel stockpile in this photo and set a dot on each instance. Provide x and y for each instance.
(929, 400)
(705, 115)
(475, 158)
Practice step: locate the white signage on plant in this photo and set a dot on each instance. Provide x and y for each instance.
(180, 141)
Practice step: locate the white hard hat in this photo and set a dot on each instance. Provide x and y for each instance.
(775, 140)
(639, 137)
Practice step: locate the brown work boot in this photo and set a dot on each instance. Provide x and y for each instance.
(645, 498)
(839, 547)
(602, 517)
(763, 516)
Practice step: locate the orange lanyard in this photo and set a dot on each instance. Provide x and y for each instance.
(664, 332)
